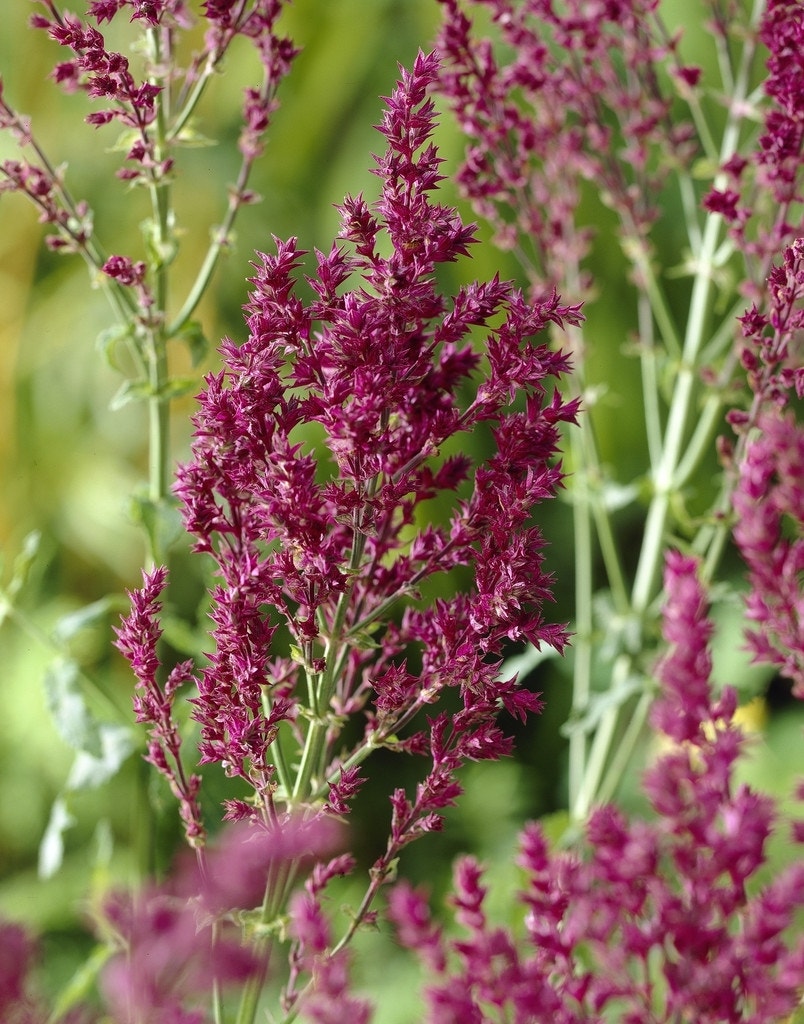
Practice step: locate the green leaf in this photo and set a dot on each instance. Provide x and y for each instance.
(161, 520)
(109, 341)
(131, 391)
(24, 562)
(51, 849)
(521, 664)
(176, 387)
(616, 496)
(83, 983)
(142, 390)
(161, 251)
(363, 640)
(74, 722)
(602, 702)
(192, 139)
(83, 618)
(90, 771)
(705, 169)
(125, 141)
(192, 335)
(559, 830)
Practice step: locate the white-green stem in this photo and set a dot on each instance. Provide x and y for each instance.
(601, 773)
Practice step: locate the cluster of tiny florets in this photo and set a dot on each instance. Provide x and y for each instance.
(376, 362)
(548, 109)
(648, 921)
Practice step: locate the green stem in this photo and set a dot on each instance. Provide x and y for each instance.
(280, 880)
(313, 754)
(625, 747)
(159, 409)
(582, 644)
(700, 303)
(658, 301)
(650, 385)
(672, 459)
(664, 475)
(221, 239)
(599, 750)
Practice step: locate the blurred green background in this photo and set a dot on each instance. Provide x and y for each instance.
(68, 465)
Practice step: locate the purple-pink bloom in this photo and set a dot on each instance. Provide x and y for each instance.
(322, 538)
(235, 870)
(137, 639)
(16, 963)
(768, 530)
(774, 166)
(683, 708)
(557, 95)
(171, 960)
(177, 938)
(659, 920)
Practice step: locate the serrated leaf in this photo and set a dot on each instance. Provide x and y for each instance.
(89, 771)
(161, 520)
(108, 342)
(192, 335)
(72, 623)
(74, 722)
(131, 391)
(51, 849)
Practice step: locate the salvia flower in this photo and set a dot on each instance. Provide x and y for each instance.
(762, 201)
(178, 940)
(316, 450)
(770, 353)
(321, 535)
(769, 533)
(562, 95)
(137, 639)
(648, 921)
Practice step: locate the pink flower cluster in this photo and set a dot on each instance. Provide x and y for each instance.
(762, 200)
(178, 941)
(317, 446)
(769, 532)
(106, 75)
(660, 921)
(548, 110)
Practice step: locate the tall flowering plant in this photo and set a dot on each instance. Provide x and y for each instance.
(567, 105)
(645, 921)
(317, 449)
(147, 101)
(154, 104)
(320, 449)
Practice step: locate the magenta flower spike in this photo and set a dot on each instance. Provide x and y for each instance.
(316, 448)
(663, 920)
